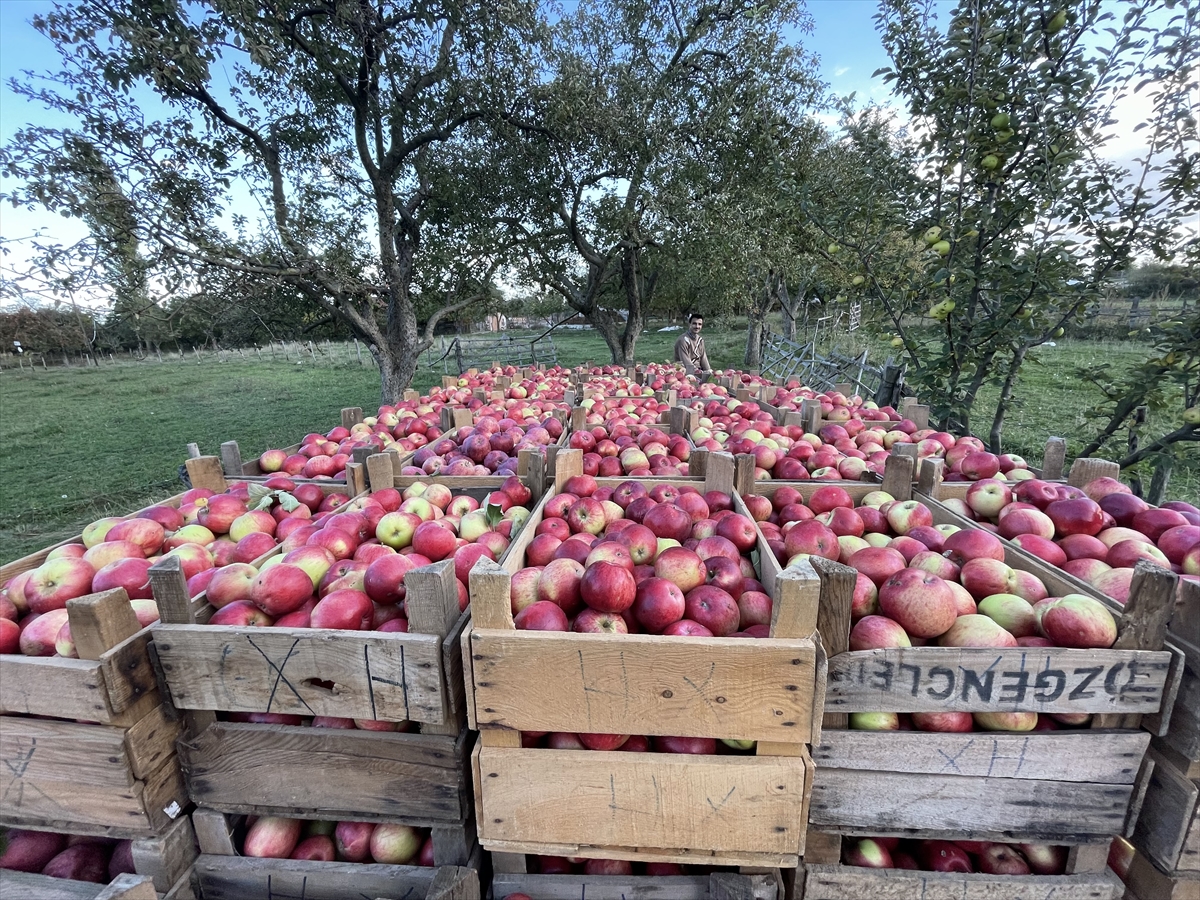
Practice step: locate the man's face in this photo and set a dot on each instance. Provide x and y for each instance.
(695, 325)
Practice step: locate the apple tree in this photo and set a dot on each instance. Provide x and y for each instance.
(1005, 183)
(1157, 403)
(646, 107)
(319, 145)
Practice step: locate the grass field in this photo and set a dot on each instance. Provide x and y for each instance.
(81, 443)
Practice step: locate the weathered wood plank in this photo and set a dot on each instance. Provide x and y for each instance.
(850, 883)
(859, 802)
(151, 742)
(1083, 756)
(1183, 734)
(167, 858)
(243, 767)
(27, 886)
(633, 887)
(1146, 882)
(1051, 679)
(238, 878)
(1168, 814)
(646, 684)
(36, 751)
(355, 674)
(39, 686)
(728, 805)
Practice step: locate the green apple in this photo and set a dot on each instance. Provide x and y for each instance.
(990, 161)
(738, 745)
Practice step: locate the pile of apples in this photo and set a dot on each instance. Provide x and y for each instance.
(835, 406)
(207, 531)
(1097, 533)
(274, 837)
(632, 446)
(489, 447)
(632, 559)
(546, 384)
(967, 460)
(956, 856)
(918, 584)
(77, 857)
(323, 457)
(348, 572)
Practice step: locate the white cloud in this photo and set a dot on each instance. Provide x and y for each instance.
(840, 71)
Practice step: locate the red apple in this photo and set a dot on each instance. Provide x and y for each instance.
(713, 608)
(541, 616)
(281, 589)
(659, 603)
(921, 602)
(608, 587)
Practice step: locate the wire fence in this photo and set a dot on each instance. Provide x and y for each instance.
(321, 353)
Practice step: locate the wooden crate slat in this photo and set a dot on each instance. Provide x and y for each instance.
(1083, 756)
(71, 688)
(870, 803)
(166, 858)
(40, 750)
(633, 887)
(545, 681)
(1167, 830)
(1038, 679)
(730, 805)
(850, 883)
(243, 767)
(240, 878)
(1183, 733)
(286, 670)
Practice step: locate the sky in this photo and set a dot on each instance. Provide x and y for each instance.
(844, 38)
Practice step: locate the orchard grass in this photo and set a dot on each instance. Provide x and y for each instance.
(80, 443)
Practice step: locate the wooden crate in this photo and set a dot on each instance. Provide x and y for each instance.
(388, 676)
(164, 859)
(1180, 733)
(1145, 881)
(717, 886)
(220, 873)
(332, 774)
(33, 560)
(26, 886)
(113, 681)
(1167, 833)
(721, 810)
(1082, 471)
(823, 877)
(1061, 786)
(114, 772)
(809, 416)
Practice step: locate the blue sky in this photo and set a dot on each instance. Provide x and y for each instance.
(843, 36)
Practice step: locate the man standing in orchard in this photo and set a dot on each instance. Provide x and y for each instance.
(689, 349)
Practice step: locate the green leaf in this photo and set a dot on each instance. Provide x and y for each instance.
(258, 493)
(494, 514)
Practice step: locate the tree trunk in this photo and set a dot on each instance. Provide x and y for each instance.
(754, 333)
(609, 328)
(396, 370)
(789, 321)
(1002, 405)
